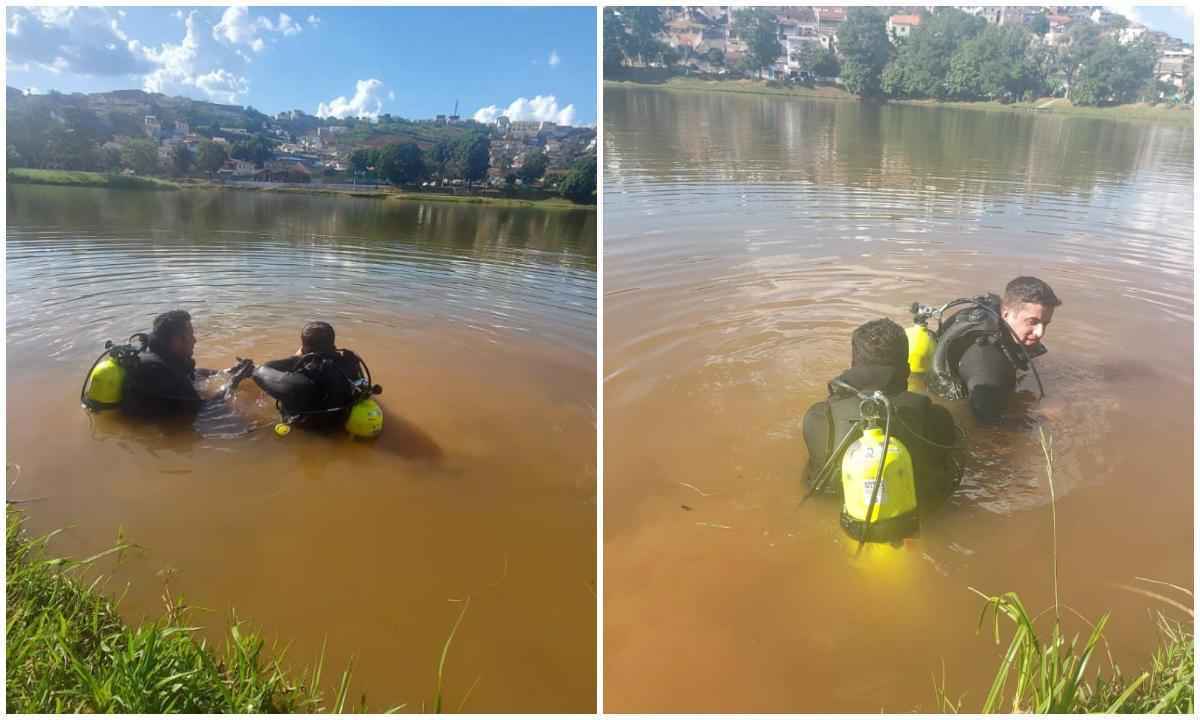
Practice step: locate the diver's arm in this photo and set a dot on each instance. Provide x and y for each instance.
(990, 379)
(817, 428)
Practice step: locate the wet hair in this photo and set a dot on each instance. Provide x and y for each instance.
(169, 326)
(1026, 289)
(879, 342)
(317, 337)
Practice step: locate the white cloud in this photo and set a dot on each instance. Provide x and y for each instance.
(314, 20)
(1128, 9)
(391, 95)
(223, 85)
(178, 14)
(178, 70)
(285, 25)
(85, 41)
(554, 59)
(238, 28)
(366, 102)
(541, 107)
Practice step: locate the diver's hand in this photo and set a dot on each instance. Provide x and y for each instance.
(241, 371)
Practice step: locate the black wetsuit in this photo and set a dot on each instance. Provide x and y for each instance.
(916, 421)
(315, 390)
(159, 386)
(980, 361)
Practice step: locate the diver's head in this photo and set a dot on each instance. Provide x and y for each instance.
(1028, 307)
(173, 335)
(317, 337)
(879, 342)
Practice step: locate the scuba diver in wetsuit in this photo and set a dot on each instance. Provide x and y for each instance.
(981, 348)
(316, 388)
(879, 362)
(159, 381)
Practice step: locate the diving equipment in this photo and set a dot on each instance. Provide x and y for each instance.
(104, 385)
(300, 387)
(878, 488)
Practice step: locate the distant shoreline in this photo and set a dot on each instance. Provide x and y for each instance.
(1181, 115)
(71, 178)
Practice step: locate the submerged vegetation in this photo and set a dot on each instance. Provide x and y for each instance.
(1050, 675)
(67, 650)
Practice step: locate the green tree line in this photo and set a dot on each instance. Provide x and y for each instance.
(950, 55)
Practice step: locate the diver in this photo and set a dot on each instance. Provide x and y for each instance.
(159, 381)
(879, 362)
(982, 348)
(321, 386)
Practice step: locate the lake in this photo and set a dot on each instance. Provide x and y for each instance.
(480, 324)
(745, 238)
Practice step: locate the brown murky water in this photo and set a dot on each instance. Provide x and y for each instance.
(479, 323)
(745, 237)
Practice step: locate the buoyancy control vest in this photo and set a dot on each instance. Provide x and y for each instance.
(980, 326)
(323, 391)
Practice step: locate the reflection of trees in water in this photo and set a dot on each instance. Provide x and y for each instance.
(227, 218)
(763, 139)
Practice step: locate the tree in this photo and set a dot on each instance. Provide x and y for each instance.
(401, 163)
(181, 159)
(109, 158)
(440, 155)
(473, 152)
(922, 62)
(533, 168)
(579, 186)
(760, 31)
(211, 157)
(633, 33)
(257, 150)
(1040, 25)
(360, 160)
(141, 156)
(996, 64)
(865, 49)
(615, 34)
(816, 60)
(715, 57)
(1112, 73)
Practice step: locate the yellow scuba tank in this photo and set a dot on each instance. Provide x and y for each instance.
(365, 420)
(896, 499)
(921, 344)
(104, 383)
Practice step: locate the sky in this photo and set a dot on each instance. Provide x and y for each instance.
(536, 63)
(1175, 20)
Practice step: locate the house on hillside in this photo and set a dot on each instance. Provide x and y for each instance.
(899, 26)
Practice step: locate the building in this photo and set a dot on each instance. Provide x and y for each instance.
(1133, 33)
(152, 127)
(502, 123)
(182, 128)
(899, 26)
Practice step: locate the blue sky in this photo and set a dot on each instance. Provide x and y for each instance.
(1176, 20)
(529, 63)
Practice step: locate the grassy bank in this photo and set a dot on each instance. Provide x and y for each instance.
(76, 178)
(551, 203)
(1178, 115)
(67, 650)
(1041, 673)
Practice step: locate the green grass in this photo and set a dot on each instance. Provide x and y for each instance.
(742, 87)
(1039, 674)
(77, 178)
(67, 650)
